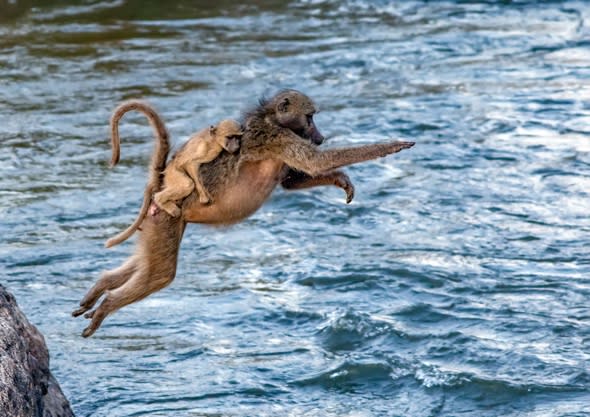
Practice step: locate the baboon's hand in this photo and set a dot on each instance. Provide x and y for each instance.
(343, 181)
(399, 146)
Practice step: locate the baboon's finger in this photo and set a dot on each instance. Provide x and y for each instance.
(399, 146)
(348, 188)
(349, 193)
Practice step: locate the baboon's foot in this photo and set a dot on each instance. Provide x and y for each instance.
(166, 204)
(203, 199)
(80, 311)
(87, 302)
(170, 208)
(90, 298)
(89, 331)
(97, 316)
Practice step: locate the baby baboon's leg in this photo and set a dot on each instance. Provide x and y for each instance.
(296, 180)
(172, 192)
(193, 171)
(108, 281)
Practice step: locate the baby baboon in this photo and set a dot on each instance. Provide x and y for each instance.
(279, 146)
(182, 176)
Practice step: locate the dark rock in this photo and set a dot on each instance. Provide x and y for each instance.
(27, 388)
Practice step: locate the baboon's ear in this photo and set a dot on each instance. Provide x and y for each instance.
(212, 130)
(283, 105)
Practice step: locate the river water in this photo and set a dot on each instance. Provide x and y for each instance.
(457, 283)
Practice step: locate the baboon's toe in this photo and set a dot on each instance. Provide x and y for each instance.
(90, 314)
(89, 331)
(79, 311)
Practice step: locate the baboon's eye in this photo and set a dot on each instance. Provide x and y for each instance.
(309, 118)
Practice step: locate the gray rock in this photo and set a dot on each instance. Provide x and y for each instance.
(27, 388)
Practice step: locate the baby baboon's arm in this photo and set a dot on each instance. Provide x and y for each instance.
(296, 180)
(192, 170)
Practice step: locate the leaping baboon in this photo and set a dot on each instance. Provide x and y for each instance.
(279, 146)
(182, 176)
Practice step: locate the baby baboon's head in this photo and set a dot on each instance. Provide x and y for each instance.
(228, 133)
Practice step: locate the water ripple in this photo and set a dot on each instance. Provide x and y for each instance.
(456, 283)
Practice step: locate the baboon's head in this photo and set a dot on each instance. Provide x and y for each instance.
(295, 111)
(228, 133)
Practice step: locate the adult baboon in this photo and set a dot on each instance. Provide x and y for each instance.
(279, 146)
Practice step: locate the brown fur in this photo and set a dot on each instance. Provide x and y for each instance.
(182, 176)
(157, 164)
(278, 147)
(151, 268)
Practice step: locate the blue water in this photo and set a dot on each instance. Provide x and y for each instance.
(457, 283)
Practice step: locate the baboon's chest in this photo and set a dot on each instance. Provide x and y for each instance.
(241, 196)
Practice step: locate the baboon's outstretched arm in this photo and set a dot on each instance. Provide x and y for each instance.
(297, 180)
(304, 156)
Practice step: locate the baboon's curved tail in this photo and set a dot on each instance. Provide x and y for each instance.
(157, 164)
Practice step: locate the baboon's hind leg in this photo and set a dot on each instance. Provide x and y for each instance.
(115, 299)
(154, 267)
(143, 282)
(109, 281)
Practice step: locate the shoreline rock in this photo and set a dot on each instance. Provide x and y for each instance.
(27, 387)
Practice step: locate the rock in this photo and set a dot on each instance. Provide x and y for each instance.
(27, 388)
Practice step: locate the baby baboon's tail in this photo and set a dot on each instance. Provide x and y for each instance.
(157, 164)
